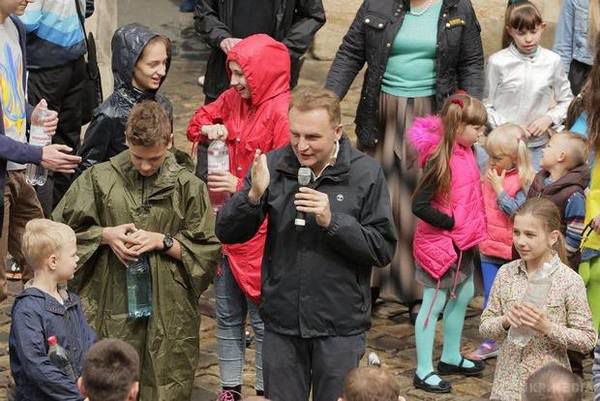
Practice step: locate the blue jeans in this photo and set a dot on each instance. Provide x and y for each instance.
(536, 157)
(232, 307)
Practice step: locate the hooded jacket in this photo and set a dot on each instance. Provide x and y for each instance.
(171, 201)
(105, 136)
(260, 122)
(37, 316)
(434, 248)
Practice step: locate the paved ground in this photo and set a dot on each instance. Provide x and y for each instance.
(392, 336)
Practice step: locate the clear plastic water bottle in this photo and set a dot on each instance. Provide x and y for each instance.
(538, 288)
(36, 174)
(139, 288)
(218, 160)
(59, 358)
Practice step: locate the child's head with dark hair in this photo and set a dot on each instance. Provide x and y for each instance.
(553, 383)
(370, 384)
(523, 26)
(110, 372)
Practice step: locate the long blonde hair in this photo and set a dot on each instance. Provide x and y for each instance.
(509, 140)
(458, 111)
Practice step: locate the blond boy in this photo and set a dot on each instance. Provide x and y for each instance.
(40, 311)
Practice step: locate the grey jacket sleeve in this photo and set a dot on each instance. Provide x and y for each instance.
(369, 240)
(350, 57)
(208, 24)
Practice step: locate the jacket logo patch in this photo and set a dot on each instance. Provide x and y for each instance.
(339, 197)
(455, 22)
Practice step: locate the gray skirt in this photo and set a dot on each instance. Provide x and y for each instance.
(447, 280)
(399, 161)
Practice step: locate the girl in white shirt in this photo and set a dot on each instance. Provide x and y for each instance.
(526, 84)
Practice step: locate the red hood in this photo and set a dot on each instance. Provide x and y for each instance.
(266, 66)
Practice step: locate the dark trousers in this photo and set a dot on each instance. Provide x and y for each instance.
(578, 73)
(291, 365)
(62, 88)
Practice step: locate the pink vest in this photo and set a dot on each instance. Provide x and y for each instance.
(434, 248)
(499, 226)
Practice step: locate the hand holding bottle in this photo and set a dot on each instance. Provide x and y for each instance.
(43, 117)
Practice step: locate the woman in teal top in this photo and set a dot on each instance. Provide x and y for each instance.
(418, 52)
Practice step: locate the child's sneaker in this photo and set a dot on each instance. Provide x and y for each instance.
(486, 350)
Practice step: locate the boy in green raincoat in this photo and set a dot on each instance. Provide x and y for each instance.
(143, 201)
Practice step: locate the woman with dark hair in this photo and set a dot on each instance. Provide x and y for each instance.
(140, 62)
(418, 52)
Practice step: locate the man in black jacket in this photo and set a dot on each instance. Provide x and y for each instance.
(315, 282)
(223, 23)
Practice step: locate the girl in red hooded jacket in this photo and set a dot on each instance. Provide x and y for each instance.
(250, 115)
(449, 204)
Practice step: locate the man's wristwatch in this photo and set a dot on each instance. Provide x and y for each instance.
(167, 242)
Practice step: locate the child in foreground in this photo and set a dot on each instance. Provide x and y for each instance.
(42, 311)
(111, 371)
(563, 323)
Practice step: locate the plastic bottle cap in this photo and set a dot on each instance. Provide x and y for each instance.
(52, 340)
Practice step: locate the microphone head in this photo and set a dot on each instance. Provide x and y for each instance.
(304, 176)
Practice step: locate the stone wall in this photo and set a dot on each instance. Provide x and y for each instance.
(490, 13)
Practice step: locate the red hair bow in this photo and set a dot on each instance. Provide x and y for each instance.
(458, 102)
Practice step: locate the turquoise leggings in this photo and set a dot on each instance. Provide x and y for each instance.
(454, 319)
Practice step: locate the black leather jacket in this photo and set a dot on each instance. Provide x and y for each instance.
(459, 62)
(297, 21)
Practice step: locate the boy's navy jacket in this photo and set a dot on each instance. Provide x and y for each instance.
(36, 316)
(9, 148)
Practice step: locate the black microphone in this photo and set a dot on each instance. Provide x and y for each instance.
(304, 177)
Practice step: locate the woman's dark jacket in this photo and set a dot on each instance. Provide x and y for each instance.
(459, 62)
(105, 136)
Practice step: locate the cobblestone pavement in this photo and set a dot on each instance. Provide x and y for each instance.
(391, 337)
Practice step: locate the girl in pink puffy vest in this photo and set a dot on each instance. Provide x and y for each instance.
(504, 190)
(449, 205)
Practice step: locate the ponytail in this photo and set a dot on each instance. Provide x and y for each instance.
(560, 247)
(524, 167)
(576, 107)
